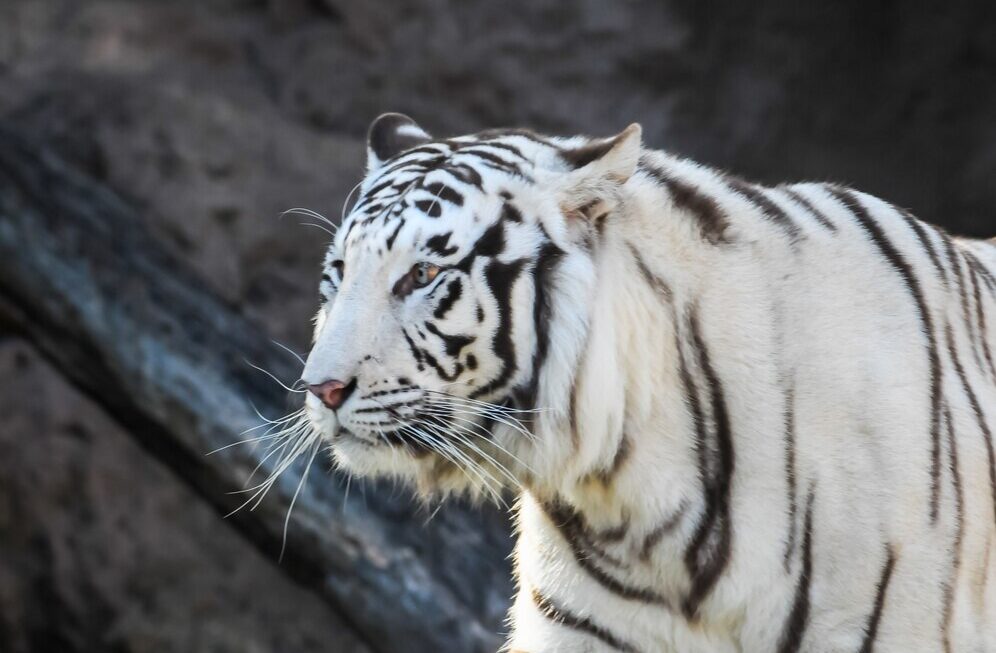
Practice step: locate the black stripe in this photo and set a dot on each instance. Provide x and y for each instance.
(453, 292)
(578, 157)
(505, 132)
(980, 343)
(664, 528)
(494, 161)
(501, 277)
(387, 408)
(542, 273)
(465, 174)
(491, 143)
(510, 213)
(490, 244)
(443, 192)
(416, 352)
(795, 627)
(980, 267)
(871, 628)
(431, 208)
(440, 370)
(801, 199)
(413, 169)
(391, 391)
(569, 524)
(980, 315)
(924, 237)
(572, 407)
(440, 245)
(568, 520)
(607, 475)
(768, 208)
(559, 615)
(349, 230)
(790, 479)
(452, 343)
(980, 417)
(658, 285)
(373, 192)
(394, 234)
(705, 209)
(899, 264)
(959, 498)
(414, 154)
(387, 193)
(694, 405)
(424, 357)
(376, 193)
(411, 162)
(952, 255)
(966, 310)
(709, 551)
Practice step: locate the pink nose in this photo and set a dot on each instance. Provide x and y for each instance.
(331, 392)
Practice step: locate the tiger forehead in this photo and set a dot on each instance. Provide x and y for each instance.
(421, 183)
(423, 207)
(466, 161)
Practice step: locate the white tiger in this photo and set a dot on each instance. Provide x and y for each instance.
(738, 418)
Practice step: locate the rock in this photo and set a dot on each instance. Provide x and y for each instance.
(102, 549)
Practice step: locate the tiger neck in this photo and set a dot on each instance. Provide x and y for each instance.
(632, 461)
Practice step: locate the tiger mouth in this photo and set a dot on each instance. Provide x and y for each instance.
(397, 439)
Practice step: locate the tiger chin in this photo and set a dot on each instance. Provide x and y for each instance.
(736, 417)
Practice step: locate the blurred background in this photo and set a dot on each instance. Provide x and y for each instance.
(208, 118)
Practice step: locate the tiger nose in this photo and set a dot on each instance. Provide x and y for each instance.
(332, 392)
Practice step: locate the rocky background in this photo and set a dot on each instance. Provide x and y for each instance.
(213, 116)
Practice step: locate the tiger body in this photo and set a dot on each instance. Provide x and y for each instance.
(763, 415)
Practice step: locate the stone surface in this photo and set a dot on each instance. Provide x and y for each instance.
(214, 116)
(102, 549)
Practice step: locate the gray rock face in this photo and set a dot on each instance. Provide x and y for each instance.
(215, 116)
(102, 549)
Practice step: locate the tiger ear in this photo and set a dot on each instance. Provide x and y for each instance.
(391, 134)
(595, 169)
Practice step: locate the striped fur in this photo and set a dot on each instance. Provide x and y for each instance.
(736, 417)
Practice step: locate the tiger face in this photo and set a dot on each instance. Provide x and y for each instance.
(434, 354)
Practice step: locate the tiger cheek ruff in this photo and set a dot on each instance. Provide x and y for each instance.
(735, 417)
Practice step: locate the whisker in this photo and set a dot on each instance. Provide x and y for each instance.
(260, 438)
(290, 351)
(514, 424)
(272, 376)
(297, 413)
(296, 436)
(317, 226)
(276, 447)
(504, 470)
(272, 425)
(504, 409)
(465, 441)
(448, 427)
(310, 214)
(316, 438)
(345, 204)
(483, 434)
(433, 514)
(439, 444)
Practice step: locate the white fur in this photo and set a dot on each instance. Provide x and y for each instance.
(823, 313)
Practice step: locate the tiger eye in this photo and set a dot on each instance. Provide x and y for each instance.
(419, 276)
(424, 273)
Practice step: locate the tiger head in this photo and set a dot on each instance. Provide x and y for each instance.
(456, 299)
